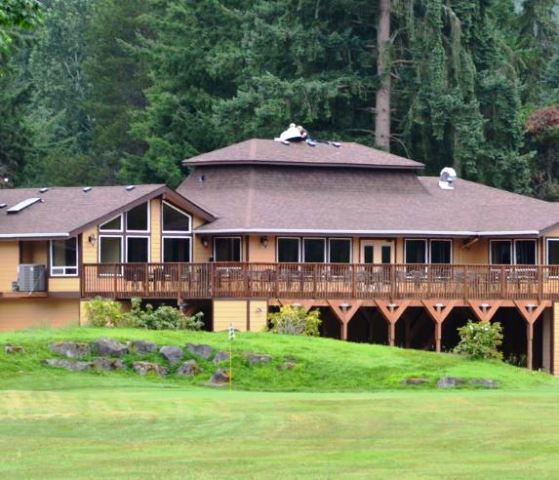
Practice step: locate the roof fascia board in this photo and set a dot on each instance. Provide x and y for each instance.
(188, 204)
(33, 236)
(208, 163)
(464, 233)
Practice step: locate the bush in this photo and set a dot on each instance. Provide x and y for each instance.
(102, 312)
(162, 318)
(480, 340)
(295, 321)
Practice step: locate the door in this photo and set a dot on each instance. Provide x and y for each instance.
(377, 251)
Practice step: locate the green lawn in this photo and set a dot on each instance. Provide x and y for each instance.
(58, 425)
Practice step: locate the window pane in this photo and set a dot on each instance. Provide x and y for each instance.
(314, 250)
(525, 252)
(440, 251)
(227, 249)
(175, 221)
(64, 253)
(176, 249)
(288, 249)
(500, 252)
(553, 252)
(114, 224)
(137, 249)
(340, 251)
(415, 251)
(110, 249)
(369, 254)
(386, 253)
(137, 218)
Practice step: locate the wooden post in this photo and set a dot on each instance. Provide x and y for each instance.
(530, 346)
(438, 336)
(391, 333)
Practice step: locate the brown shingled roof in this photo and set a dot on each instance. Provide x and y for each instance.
(66, 211)
(273, 199)
(270, 152)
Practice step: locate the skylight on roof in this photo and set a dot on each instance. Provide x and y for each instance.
(86, 189)
(3, 205)
(23, 205)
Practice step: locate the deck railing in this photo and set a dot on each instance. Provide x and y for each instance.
(320, 281)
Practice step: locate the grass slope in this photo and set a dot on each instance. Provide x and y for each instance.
(62, 425)
(321, 364)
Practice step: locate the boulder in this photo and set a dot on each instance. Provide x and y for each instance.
(221, 356)
(188, 369)
(145, 368)
(172, 354)
(203, 351)
(450, 382)
(108, 364)
(70, 349)
(109, 347)
(484, 383)
(142, 347)
(11, 349)
(219, 378)
(257, 358)
(414, 381)
(286, 366)
(72, 365)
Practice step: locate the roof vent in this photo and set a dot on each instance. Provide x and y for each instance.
(23, 205)
(129, 188)
(43, 190)
(3, 205)
(86, 189)
(447, 178)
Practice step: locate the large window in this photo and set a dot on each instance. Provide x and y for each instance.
(137, 249)
(175, 220)
(440, 251)
(137, 219)
(176, 249)
(507, 252)
(227, 249)
(114, 225)
(314, 250)
(64, 257)
(339, 250)
(288, 250)
(553, 251)
(416, 251)
(110, 249)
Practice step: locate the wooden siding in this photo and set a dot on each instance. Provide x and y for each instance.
(35, 252)
(38, 312)
(64, 284)
(155, 216)
(229, 312)
(258, 315)
(9, 261)
(258, 253)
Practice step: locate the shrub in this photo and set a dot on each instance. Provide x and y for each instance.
(480, 340)
(295, 321)
(162, 318)
(102, 312)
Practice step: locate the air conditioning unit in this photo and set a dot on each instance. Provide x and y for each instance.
(31, 278)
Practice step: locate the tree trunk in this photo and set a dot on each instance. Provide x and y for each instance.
(382, 110)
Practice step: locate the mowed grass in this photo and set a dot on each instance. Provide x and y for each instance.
(58, 425)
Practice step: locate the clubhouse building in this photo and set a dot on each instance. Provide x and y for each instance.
(388, 255)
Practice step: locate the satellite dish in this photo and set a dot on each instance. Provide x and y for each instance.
(447, 178)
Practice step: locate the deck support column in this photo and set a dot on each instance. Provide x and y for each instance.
(530, 310)
(391, 313)
(484, 310)
(344, 310)
(438, 311)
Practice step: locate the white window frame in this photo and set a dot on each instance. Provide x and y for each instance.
(513, 248)
(347, 239)
(448, 240)
(149, 247)
(298, 248)
(182, 237)
(64, 274)
(148, 207)
(175, 232)
(426, 242)
(230, 238)
(101, 229)
(325, 249)
(122, 253)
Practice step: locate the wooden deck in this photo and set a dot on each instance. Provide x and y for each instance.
(321, 281)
